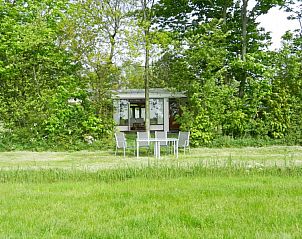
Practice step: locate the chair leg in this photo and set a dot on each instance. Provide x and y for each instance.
(115, 150)
(124, 152)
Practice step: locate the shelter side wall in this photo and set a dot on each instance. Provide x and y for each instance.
(166, 114)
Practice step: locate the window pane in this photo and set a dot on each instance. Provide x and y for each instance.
(137, 113)
(156, 111)
(116, 114)
(123, 112)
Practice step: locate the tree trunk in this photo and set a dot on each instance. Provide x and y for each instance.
(244, 28)
(244, 45)
(146, 18)
(146, 78)
(224, 13)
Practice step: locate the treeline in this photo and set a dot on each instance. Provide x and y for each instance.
(60, 61)
(236, 86)
(46, 95)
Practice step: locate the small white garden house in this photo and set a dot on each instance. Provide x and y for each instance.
(129, 113)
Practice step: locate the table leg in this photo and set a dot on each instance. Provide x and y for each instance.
(137, 149)
(176, 148)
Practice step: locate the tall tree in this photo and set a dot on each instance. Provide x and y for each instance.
(146, 16)
(239, 73)
(244, 19)
(295, 8)
(96, 33)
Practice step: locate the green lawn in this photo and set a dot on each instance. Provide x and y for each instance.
(191, 207)
(243, 193)
(94, 160)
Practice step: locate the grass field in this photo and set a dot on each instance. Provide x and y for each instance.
(211, 193)
(94, 160)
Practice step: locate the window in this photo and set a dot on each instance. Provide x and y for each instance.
(137, 112)
(124, 116)
(156, 111)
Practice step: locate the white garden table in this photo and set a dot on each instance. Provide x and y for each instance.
(157, 145)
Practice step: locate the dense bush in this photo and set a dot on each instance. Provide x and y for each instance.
(44, 97)
(267, 108)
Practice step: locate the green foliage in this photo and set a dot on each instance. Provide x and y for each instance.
(69, 121)
(255, 96)
(55, 52)
(38, 78)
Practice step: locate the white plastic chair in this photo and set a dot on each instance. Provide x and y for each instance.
(145, 136)
(162, 135)
(184, 140)
(121, 143)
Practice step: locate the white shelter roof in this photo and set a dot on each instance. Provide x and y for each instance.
(153, 93)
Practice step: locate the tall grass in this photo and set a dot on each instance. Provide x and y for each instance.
(153, 171)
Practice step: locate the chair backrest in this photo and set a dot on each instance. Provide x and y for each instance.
(132, 120)
(120, 140)
(143, 135)
(183, 139)
(140, 120)
(161, 135)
